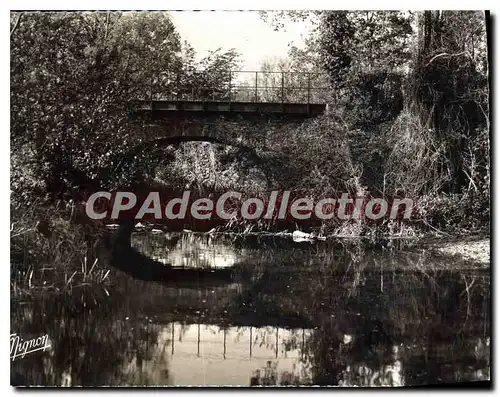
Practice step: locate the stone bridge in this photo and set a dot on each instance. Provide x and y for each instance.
(245, 111)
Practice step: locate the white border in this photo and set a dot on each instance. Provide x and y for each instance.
(254, 5)
(193, 5)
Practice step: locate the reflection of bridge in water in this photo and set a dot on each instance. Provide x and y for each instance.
(269, 353)
(235, 342)
(284, 330)
(203, 354)
(290, 317)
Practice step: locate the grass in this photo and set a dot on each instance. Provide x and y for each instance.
(49, 251)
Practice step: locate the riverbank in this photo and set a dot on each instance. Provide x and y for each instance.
(477, 251)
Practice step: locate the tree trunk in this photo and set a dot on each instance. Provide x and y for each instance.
(429, 26)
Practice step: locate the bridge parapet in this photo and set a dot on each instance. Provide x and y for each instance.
(243, 106)
(241, 86)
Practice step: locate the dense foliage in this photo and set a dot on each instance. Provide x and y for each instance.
(417, 83)
(73, 76)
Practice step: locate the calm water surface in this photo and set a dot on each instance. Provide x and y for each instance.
(324, 313)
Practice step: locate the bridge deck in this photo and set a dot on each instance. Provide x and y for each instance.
(293, 109)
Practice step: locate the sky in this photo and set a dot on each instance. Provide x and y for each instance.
(245, 31)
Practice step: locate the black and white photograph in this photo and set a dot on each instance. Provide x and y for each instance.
(273, 198)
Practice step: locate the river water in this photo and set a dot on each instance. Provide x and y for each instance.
(322, 313)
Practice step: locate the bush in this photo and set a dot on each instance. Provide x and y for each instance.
(373, 99)
(49, 251)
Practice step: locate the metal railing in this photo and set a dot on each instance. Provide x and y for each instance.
(241, 86)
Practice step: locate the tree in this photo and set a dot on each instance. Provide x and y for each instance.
(73, 76)
(450, 85)
(289, 80)
(366, 54)
(208, 78)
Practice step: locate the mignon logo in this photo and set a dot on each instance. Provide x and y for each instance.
(21, 348)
